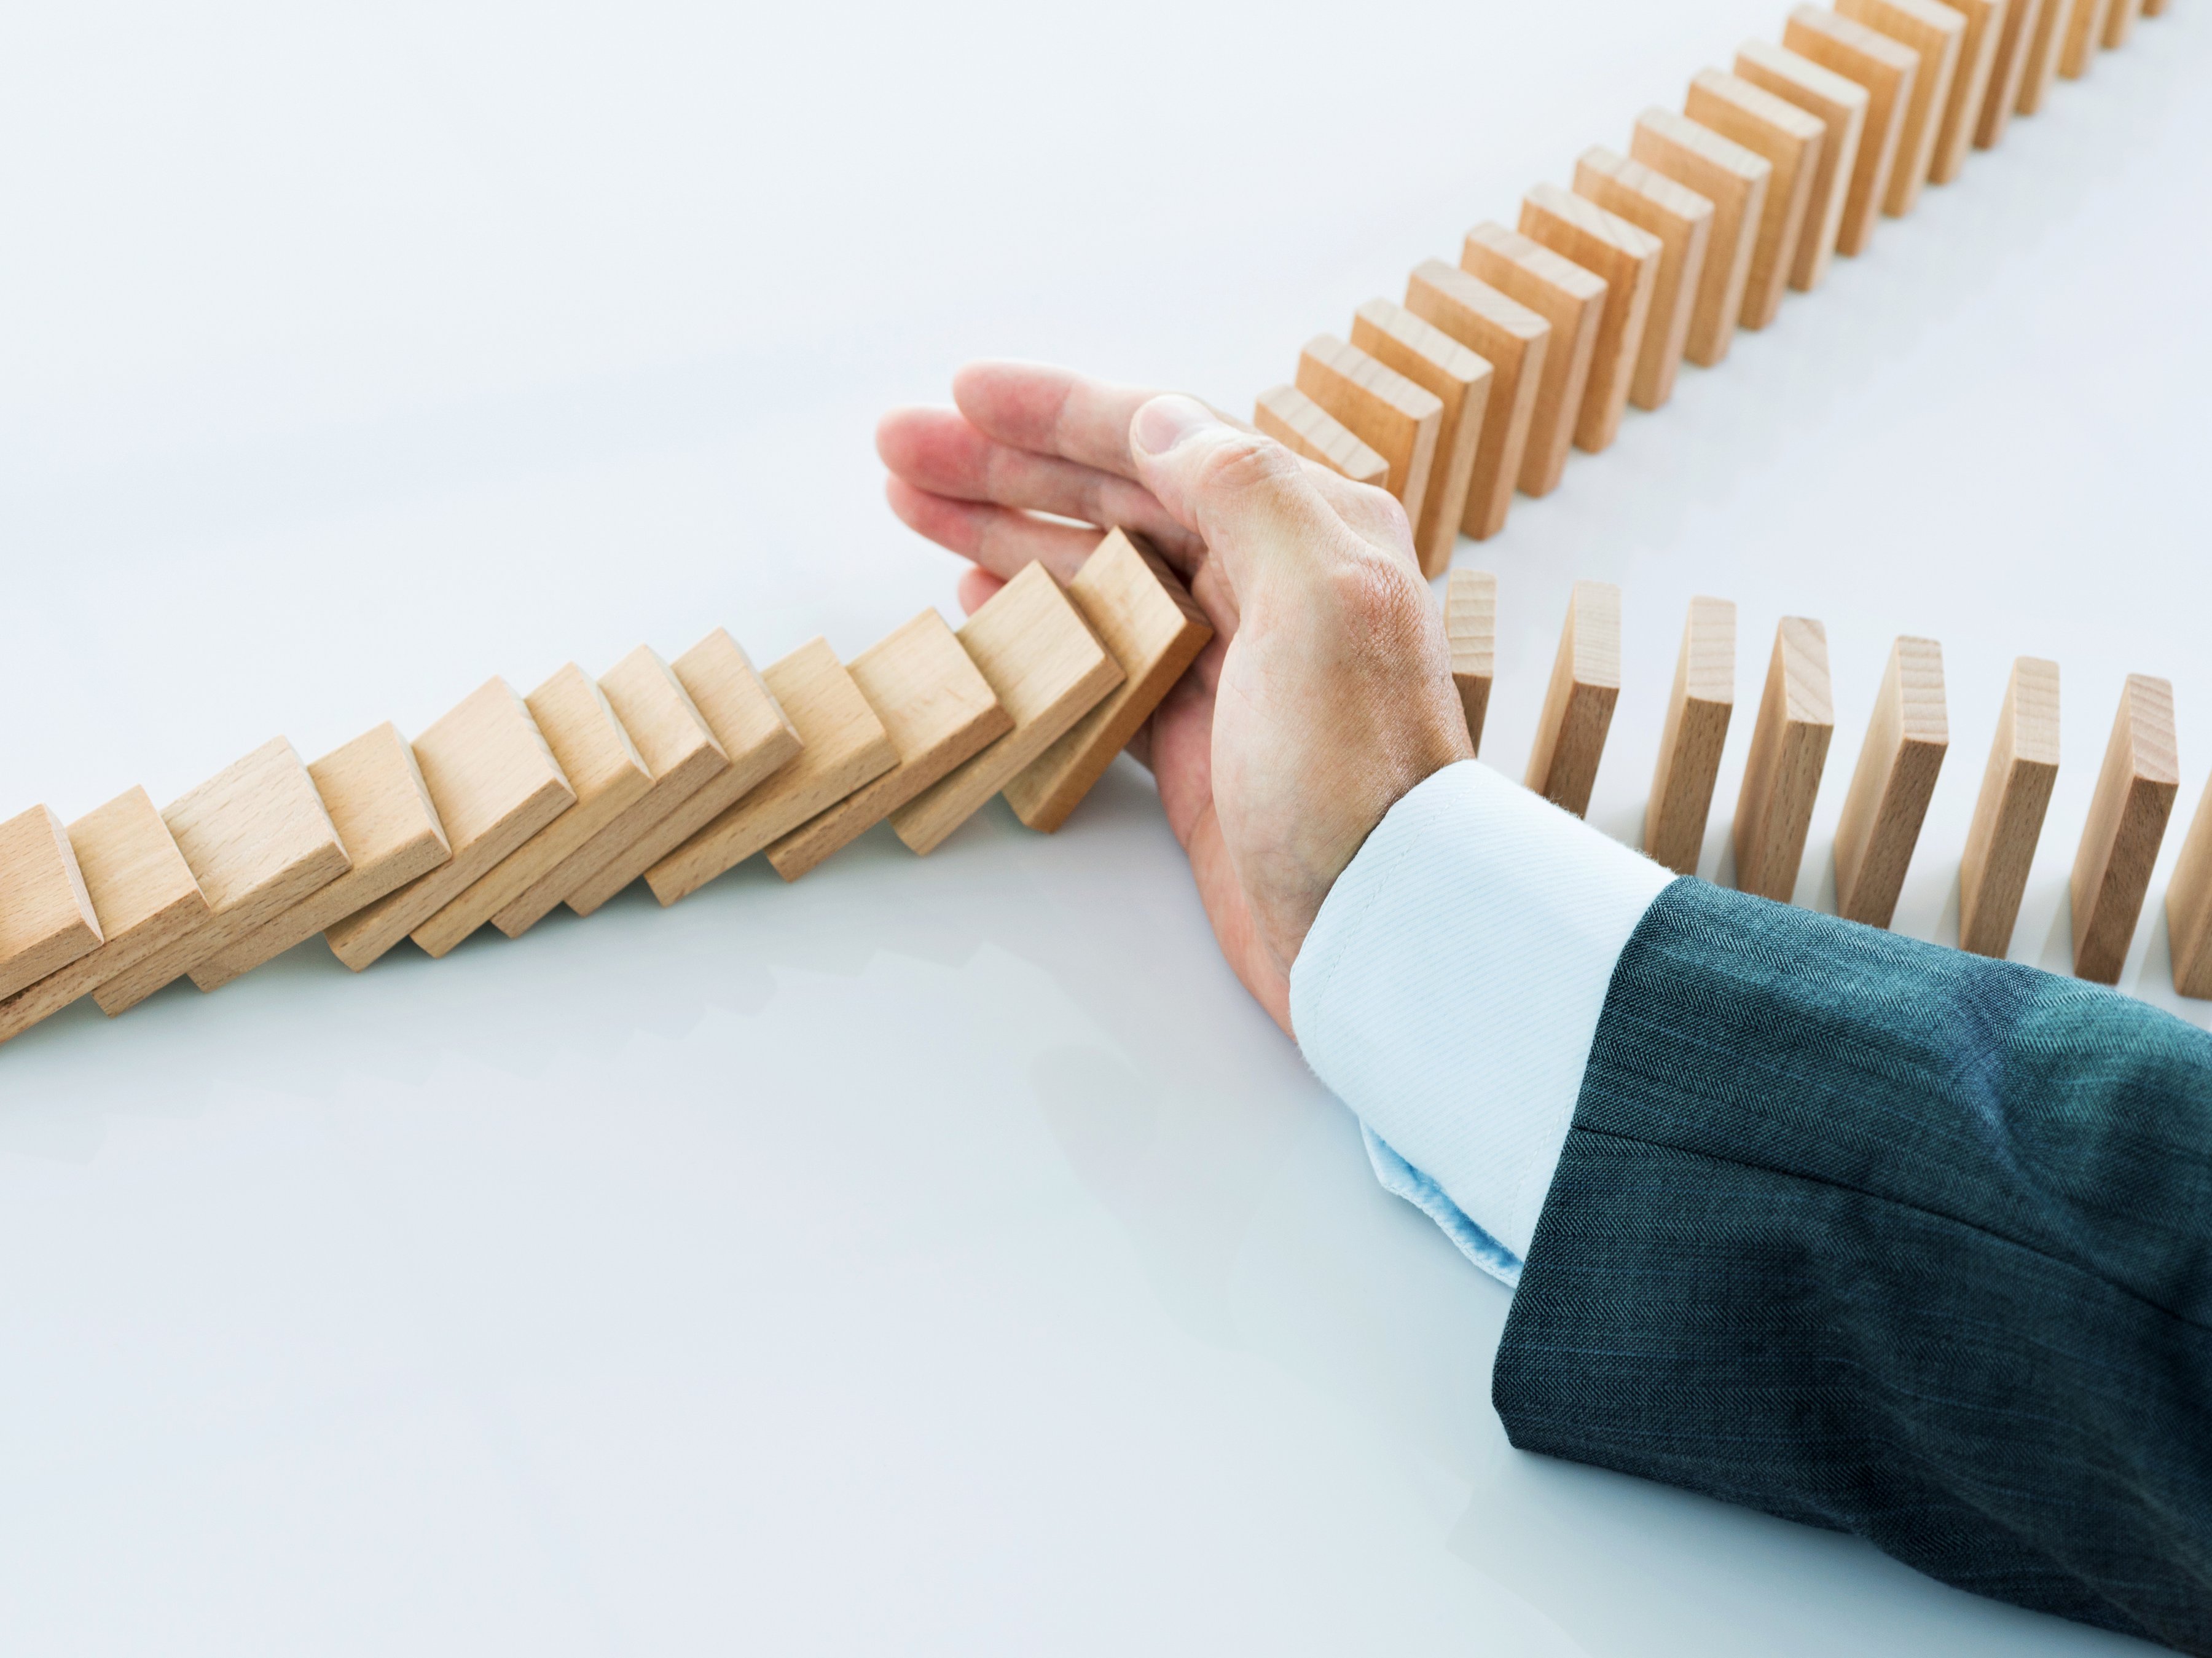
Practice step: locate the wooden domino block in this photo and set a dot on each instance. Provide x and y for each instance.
(2153, 8)
(1906, 739)
(1154, 631)
(1384, 410)
(1570, 299)
(2127, 822)
(2188, 901)
(381, 809)
(1969, 88)
(2085, 28)
(1047, 666)
(1460, 380)
(1682, 220)
(1890, 73)
(1840, 105)
(46, 917)
(1305, 427)
(142, 892)
(1791, 142)
(1933, 33)
(937, 710)
(2009, 70)
(1735, 181)
(2045, 47)
(1628, 257)
(257, 841)
(2120, 22)
(1690, 746)
(1578, 705)
(494, 783)
(1471, 626)
(1789, 751)
(842, 745)
(2008, 822)
(1516, 342)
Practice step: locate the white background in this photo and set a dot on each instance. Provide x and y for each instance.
(932, 1256)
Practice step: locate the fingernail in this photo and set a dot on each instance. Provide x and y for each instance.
(1165, 421)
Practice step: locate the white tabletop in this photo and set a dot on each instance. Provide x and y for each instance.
(932, 1256)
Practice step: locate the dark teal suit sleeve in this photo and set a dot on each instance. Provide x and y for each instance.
(1887, 1238)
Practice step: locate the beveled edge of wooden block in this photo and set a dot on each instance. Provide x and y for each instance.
(1309, 431)
(68, 926)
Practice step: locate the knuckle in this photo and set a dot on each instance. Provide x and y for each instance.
(1243, 461)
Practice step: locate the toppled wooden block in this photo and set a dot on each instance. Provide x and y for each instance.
(1046, 666)
(1682, 220)
(1933, 33)
(1698, 711)
(1305, 427)
(1735, 181)
(46, 917)
(1789, 751)
(380, 807)
(1890, 73)
(1154, 630)
(1514, 341)
(1578, 705)
(142, 892)
(1627, 259)
(937, 710)
(1387, 411)
(2046, 46)
(2127, 823)
(753, 731)
(2085, 28)
(2120, 22)
(1840, 105)
(494, 783)
(842, 745)
(2016, 787)
(2009, 70)
(1791, 142)
(1906, 739)
(2188, 902)
(1471, 626)
(1460, 381)
(1570, 299)
(257, 841)
(1970, 87)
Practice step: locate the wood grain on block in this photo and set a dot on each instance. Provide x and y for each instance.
(1387, 411)
(494, 783)
(2046, 46)
(1791, 140)
(381, 809)
(1578, 704)
(937, 709)
(2077, 49)
(46, 917)
(842, 745)
(1471, 626)
(1933, 33)
(1907, 736)
(1047, 667)
(681, 755)
(2120, 22)
(1890, 73)
(1840, 105)
(1516, 342)
(1305, 427)
(1970, 87)
(2188, 906)
(2008, 70)
(1735, 181)
(1155, 630)
(1460, 380)
(1698, 711)
(754, 732)
(1572, 299)
(1789, 751)
(2009, 815)
(1628, 257)
(1682, 220)
(2127, 823)
(257, 841)
(142, 892)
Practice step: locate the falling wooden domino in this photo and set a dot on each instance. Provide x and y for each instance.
(381, 809)
(1305, 427)
(1471, 627)
(1570, 299)
(1789, 751)
(1695, 732)
(1046, 666)
(2077, 48)
(1890, 74)
(2189, 904)
(2120, 22)
(1933, 33)
(1790, 141)
(46, 917)
(1907, 736)
(1578, 704)
(1682, 220)
(937, 710)
(1978, 55)
(1735, 181)
(2009, 815)
(1460, 381)
(1628, 257)
(1516, 342)
(1154, 630)
(1840, 105)
(2009, 70)
(1384, 410)
(2045, 47)
(257, 841)
(2127, 822)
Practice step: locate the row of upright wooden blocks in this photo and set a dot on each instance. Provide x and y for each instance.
(670, 773)
(1908, 735)
(1480, 381)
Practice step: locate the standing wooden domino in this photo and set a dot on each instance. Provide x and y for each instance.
(1890, 74)
(2045, 47)
(1978, 57)
(1932, 33)
(1514, 341)
(46, 917)
(1682, 220)
(1578, 705)
(1735, 181)
(1690, 746)
(2120, 22)
(1305, 427)
(2084, 29)
(1460, 381)
(1570, 299)
(1906, 739)
(1789, 751)
(2127, 823)
(1471, 627)
(1791, 142)
(2008, 822)
(2009, 70)
(1628, 257)
(1387, 411)
(1840, 105)
(2189, 906)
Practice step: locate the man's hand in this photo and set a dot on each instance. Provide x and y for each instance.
(1326, 693)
